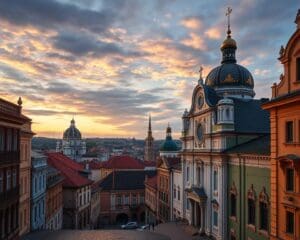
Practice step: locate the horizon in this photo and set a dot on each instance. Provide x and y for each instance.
(99, 64)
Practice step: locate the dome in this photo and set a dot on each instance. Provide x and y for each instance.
(168, 145)
(72, 132)
(230, 74)
(230, 77)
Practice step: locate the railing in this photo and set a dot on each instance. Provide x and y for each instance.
(9, 157)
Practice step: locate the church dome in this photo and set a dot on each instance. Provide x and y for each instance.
(230, 77)
(72, 132)
(169, 145)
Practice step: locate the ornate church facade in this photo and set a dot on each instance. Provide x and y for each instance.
(72, 144)
(217, 131)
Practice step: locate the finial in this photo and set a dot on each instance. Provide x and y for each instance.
(20, 102)
(281, 51)
(228, 12)
(200, 81)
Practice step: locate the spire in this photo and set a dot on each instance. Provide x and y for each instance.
(73, 122)
(200, 81)
(149, 127)
(228, 46)
(169, 131)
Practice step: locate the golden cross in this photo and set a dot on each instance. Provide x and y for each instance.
(229, 11)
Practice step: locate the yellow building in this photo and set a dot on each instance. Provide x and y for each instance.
(25, 166)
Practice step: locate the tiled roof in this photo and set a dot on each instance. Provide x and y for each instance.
(125, 180)
(152, 181)
(122, 162)
(257, 146)
(69, 169)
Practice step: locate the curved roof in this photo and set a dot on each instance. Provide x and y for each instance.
(169, 145)
(72, 132)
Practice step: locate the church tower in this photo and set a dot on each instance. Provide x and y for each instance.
(149, 144)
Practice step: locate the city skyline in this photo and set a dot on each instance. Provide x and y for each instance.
(101, 64)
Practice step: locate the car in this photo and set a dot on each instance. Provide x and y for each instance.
(130, 225)
(144, 227)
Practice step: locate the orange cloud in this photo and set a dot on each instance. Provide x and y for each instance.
(191, 23)
(213, 33)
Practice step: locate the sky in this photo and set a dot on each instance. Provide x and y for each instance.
(109, 64)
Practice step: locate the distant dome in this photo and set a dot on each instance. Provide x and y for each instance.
(169, 145)
(72, 132)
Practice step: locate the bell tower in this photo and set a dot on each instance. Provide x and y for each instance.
(149, 144)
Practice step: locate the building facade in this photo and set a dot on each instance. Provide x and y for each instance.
(285, 138)
(76, 191)
(122, 197)
(38, 190)
(149, 144)
(151, 199)
(11, 121)
(54, 200)
(223, 114)
(72, 144)
(25, 177)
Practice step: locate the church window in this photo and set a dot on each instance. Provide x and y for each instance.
(264, 210)
(174, 191)
(233, 201)
(215, 180)
(289, 131)
(290, 222)
(215, 218)
(290, 179)
(251, 205)
(298, 69)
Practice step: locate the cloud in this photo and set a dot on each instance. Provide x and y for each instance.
(193, 23)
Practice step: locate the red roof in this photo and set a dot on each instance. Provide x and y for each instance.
(152, 182)
(92, 164)
(69, 169)
(122, 162)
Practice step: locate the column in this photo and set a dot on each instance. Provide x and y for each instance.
(202, 228)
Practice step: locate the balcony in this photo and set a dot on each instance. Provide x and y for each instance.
(9, 157)
(9, 197)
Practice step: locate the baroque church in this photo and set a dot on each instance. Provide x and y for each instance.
(225, 153)
(72, 144)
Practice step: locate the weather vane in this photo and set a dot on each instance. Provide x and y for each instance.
(228, 12)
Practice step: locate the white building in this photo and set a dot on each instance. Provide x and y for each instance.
(72, 144)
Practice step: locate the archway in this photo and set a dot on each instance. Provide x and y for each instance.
(122, 218)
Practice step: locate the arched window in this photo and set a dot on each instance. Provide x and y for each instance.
(251, 206)
(227, 114)
(233, 201)
(264, 210)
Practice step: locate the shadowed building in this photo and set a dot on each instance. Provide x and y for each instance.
(284, 108)
(123, 196)
(11, 122)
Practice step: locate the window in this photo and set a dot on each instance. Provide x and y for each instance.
(133, 199)
(298, 69)
(215, 218)
(290, 222)
(178, 194)
(215, 180)
(251, 211)
(119, 200)
(174, 191)
(8, 139)
(8, 180)
(263, 208)
(1, 182)
(289, 132)
(14, 182)
(142, 198)
(2, 142)
(251, 205)
(126, 200)
(187, 173)
(15, 140)
(232, 205)
(187, 204)
(290, 179)
(198, 175)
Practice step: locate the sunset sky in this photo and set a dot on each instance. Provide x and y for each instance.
(110, 63)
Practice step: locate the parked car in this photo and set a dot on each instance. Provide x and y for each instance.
(144, 227)
(130, 225)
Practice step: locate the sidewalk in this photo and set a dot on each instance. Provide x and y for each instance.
(176, 231)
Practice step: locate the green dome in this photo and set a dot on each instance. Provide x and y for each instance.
(169, 145)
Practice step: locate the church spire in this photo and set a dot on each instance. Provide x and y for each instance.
(149, 143)
(149, 126)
